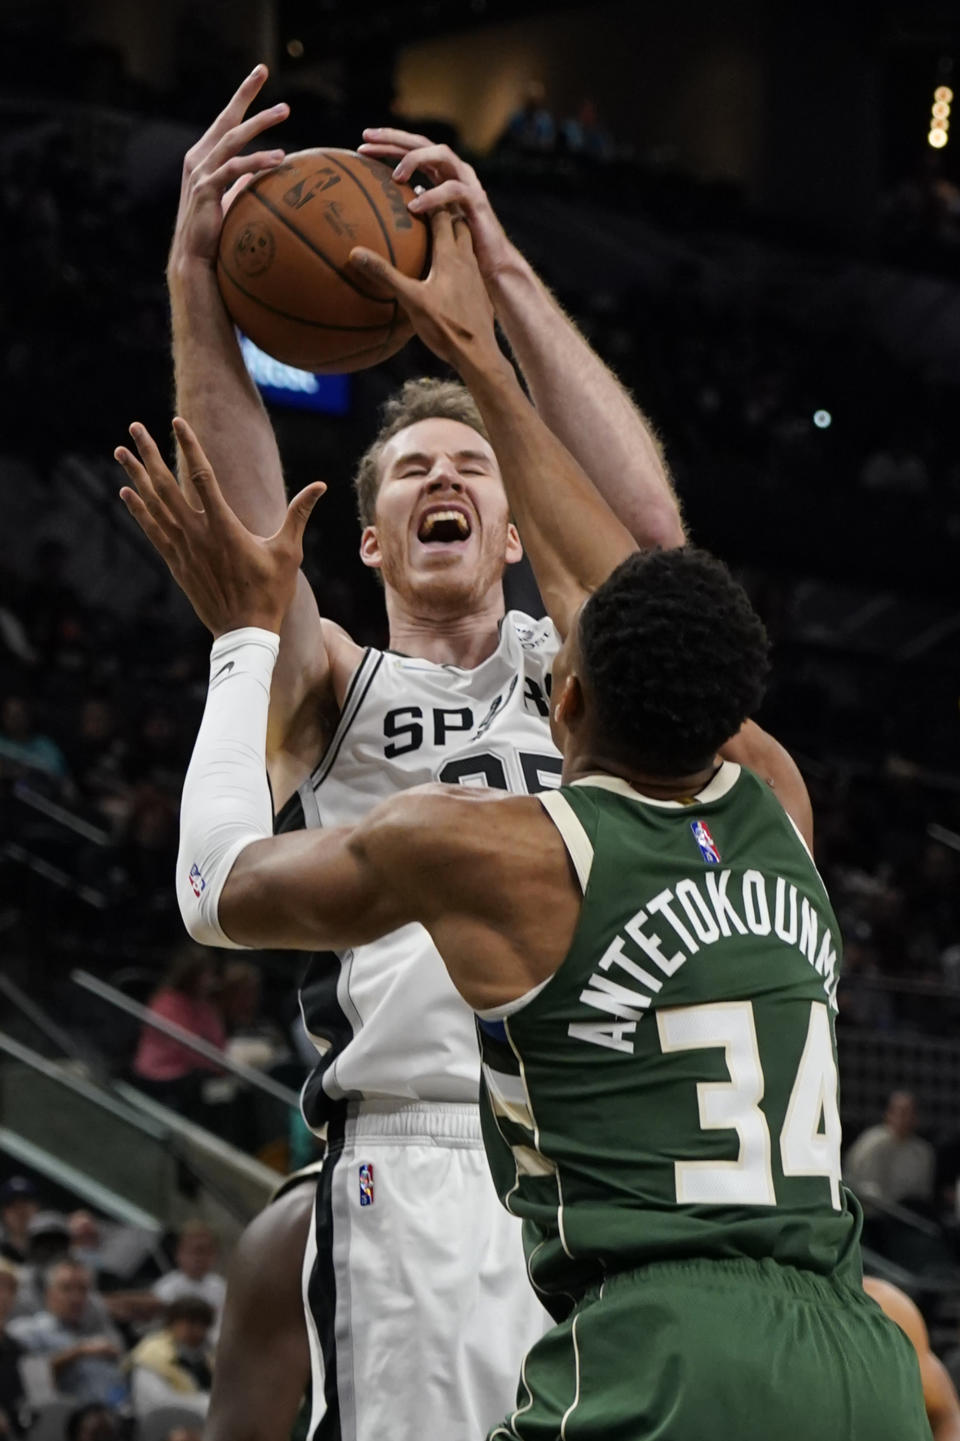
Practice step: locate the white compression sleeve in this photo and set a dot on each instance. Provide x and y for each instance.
(226, 799)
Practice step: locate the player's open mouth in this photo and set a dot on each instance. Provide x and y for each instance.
(443, 526)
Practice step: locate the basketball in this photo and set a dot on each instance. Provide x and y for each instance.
(282, 264)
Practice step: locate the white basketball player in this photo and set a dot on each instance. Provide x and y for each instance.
(418, 1308)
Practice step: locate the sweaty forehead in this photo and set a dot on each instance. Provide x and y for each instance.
(434, 437)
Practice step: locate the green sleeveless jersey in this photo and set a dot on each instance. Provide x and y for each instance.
(671, 1091)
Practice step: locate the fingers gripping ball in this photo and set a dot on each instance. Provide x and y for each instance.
(282, 264)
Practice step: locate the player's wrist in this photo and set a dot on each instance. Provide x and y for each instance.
(485, 370)
(258, 627)
(504, 266)
(185, 268)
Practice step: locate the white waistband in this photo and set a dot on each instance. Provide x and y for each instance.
(449, 1123)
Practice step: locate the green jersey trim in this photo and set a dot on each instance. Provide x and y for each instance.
(721, 782)
(568, 823)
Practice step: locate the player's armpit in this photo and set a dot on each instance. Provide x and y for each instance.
(759, 752)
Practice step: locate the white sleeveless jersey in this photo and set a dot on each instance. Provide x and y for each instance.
(385, 1016)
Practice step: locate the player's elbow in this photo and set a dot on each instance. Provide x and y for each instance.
(212, 898)
(659, 528)
(201, 926)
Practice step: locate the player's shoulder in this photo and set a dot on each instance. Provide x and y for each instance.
(343, 652)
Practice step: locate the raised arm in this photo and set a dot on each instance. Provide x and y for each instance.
(215, 391)
(572, 536)
(575, 393)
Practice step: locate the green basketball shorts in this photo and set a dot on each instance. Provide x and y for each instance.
(733, 1350)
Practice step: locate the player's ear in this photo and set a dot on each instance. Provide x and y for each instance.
(514, 551)
(370, 552)
(568, 706)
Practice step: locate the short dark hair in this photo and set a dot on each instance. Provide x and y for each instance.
(73, 1427)
(675, 658)
(189, 1308)
(415, 400)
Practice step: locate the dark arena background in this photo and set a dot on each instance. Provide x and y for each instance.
(753, 213)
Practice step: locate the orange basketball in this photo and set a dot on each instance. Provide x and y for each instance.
(283, 253)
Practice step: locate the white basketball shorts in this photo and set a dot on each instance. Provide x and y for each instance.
(419, 1310)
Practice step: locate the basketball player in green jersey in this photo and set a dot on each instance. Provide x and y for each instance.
(650, 953)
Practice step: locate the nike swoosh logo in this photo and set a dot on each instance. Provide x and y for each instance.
(222, 671)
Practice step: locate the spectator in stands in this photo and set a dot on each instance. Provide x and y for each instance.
(163, 1067)
(14, 1415)
(195, 1275)
(93, 1422)
(254, 1040)
(97, 754)
(19, 1203)
(582, 134)
(531, 128)
(85, 1239)
(26, 751)
(116, 1255)
(48, 1240)
(83, 1358)
(174, 1366)
(890, 1162)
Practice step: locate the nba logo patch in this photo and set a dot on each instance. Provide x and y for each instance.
(196, 881)
(366, 1183)
(705, 842)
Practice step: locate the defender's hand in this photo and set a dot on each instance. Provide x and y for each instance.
(450, 310)
(214, 166)
(454, 183)
(231, 577)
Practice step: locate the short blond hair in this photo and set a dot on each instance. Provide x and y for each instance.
(415, 400)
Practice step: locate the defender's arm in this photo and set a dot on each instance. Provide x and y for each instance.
(215, 391)
(573, 538)
(575, 393)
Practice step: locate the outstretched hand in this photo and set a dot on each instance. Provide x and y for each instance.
(214, 170)
(450, 310)
(454, 183)
(231, 577)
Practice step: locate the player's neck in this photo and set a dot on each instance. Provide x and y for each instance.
(593, 762)
(464, 639)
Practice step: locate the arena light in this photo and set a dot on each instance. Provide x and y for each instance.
(939, 132)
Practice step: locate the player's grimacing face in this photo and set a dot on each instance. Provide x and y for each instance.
(442, 523)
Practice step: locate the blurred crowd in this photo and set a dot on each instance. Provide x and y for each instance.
(106, 1329)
